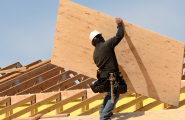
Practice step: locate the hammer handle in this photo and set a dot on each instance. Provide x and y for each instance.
(112, 96)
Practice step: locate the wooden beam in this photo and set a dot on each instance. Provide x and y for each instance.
(27, 66)
(36, 105)
(33, 63)
(30, 82)
(26, 76)
(5, 100)
(63, 83)
(14, 76)
(81, 84)
(42, 96)
(44, 85)
(129, 104)
(11, 107)
(61, 103)
(45, 117)
(13, 70)
(14, 65)
(83, 103)
(36, 117)
(176, 114)
(55, 116)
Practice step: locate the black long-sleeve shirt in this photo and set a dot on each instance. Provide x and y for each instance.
(104, 55)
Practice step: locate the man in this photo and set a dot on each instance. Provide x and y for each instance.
(105, 59)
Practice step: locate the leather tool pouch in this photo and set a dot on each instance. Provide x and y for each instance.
(103, 84)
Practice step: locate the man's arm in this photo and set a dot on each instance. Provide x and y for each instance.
(119, 35)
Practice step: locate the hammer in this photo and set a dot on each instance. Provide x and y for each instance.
(111, 79)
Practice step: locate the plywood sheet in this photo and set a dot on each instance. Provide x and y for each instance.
(151, 63)
(176, 114)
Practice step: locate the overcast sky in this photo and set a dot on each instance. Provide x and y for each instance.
(27, 27)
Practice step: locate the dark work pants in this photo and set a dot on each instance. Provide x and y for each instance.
(107, 106)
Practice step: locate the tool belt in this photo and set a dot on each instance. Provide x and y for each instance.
(103, 84)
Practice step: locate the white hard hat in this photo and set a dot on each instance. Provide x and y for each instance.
(93, 34)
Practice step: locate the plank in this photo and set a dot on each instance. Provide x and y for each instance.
(36, 105)
(36, 117)
(13, 70)
(45, 117)
(30, 82)
(176, 114)
(145, 58)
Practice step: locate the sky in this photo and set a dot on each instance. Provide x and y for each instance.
(27, 27)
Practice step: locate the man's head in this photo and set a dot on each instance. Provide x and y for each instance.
(96, 37)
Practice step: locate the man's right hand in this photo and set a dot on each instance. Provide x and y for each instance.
(118, 20)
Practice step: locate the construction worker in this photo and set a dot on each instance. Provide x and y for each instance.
(105, 59)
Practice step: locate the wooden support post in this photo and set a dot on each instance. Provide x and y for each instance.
(31, 103)
(87, 106)
(140, 104)
(57, 100)
(165, 105)
(8, 112)
(83, 98)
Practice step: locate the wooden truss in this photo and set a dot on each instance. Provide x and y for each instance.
(44, 82)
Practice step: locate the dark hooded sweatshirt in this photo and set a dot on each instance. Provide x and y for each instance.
(104, 55)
